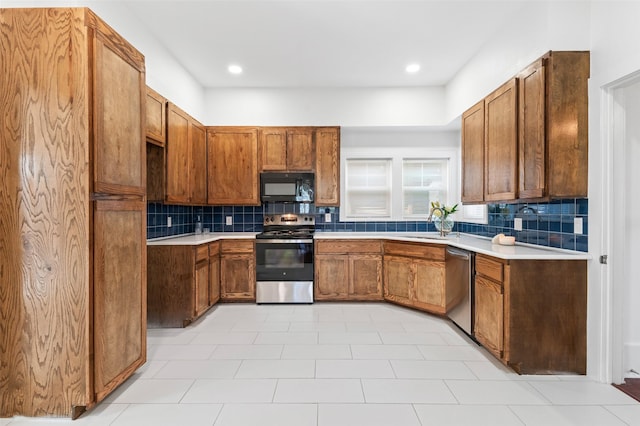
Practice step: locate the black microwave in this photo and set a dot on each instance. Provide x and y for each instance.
(284, 187)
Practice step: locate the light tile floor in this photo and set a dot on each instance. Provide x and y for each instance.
(339, 364)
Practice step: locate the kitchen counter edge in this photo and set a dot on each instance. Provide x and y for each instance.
(469, 242)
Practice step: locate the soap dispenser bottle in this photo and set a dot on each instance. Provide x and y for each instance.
(198, 226)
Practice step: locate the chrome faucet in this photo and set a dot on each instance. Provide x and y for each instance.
(442, 215)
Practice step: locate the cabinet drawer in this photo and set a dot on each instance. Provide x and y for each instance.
(214, 249)
(236, 246)
(489, 268)
(422, 251)
(348, 246)
(202, 252)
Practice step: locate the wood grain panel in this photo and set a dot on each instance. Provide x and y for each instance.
(214, 272)
(327, 141)
(119, 296)
(169, 283)
(300, 149)
(155, 173)
(331, 281)
(429, 288)
(237, 277)
(489, 315)
(273, 148)
(120, 99)
(178, 156)
(237, 246)
(365, 277)
(44, 220)
(419, 250)
(473, 154)
(399, 276)
(501, 143)
(233, 166)
(348, 246)
(198, 173)
(156, 117)
(489, 267)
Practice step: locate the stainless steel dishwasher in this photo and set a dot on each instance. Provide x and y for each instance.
(459, 275)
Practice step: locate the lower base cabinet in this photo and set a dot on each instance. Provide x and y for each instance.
(348, 270)
(414, 276)
(179, 284)
(532, 314)
(237, 271)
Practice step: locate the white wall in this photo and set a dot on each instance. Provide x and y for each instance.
(347, 107)
(544, 26)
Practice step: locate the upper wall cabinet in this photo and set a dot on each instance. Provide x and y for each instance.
(553, 126)
(501, 144)
(156, 117)
(327, 168)
(286, 149)
(233, 166)
(535, 134)
(473, 154)
(186, 153)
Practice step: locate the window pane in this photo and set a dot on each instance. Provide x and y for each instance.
(423, 181)
(368, 187)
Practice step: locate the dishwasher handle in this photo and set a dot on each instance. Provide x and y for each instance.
(458, 253)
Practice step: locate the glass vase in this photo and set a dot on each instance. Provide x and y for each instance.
(443, 225)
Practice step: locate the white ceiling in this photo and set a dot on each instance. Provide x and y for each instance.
(323, 43)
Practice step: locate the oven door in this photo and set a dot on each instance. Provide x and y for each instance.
(284, 260)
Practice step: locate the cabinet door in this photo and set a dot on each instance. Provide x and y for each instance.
(399, 276)
(201, 278)
(198, 173)
(214, 273)
(531, 131)
(300, 152)
(429, 290)
(237, 277)
(156, 124)
(501, 144)
(365, 277)
(178, 155)
(273, 149)
(119, 150)
(489, 315)
(473, 154)
(331, 277)
(119, 289)
(327, 142)
(233, 166)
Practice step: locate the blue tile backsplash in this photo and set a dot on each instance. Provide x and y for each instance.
(546, 224)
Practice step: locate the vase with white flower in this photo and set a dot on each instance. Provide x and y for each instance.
(440, 216)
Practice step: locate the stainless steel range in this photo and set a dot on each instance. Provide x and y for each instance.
(284, 259)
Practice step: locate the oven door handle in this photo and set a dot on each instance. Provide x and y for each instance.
(282, 241)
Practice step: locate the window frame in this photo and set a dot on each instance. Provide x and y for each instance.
(397, 156)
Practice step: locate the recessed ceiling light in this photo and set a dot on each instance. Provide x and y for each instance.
(235, 69)
(412, 68)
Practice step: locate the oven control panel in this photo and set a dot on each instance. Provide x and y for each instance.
(289, 219)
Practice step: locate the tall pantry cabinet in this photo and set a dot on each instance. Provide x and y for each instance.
(72, 211)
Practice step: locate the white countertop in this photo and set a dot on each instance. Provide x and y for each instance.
(194, 240)
(464, 241)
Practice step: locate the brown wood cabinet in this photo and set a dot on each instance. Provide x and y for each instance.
(180, 283)
(534, 134)
(348, 270)
(286, 149)
(473, 154)
(233, 166)
(156, 117)
(501, 143)
(186, 164)
(237, 270)
(414, 275)
(74, 285)
(553, 126)
(214, 273)
(531, 314)
(327, 167)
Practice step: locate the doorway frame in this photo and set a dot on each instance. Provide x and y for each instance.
(612, 210)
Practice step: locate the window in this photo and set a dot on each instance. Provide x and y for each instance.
(423, 181)
(396, 183)
(368, 186)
